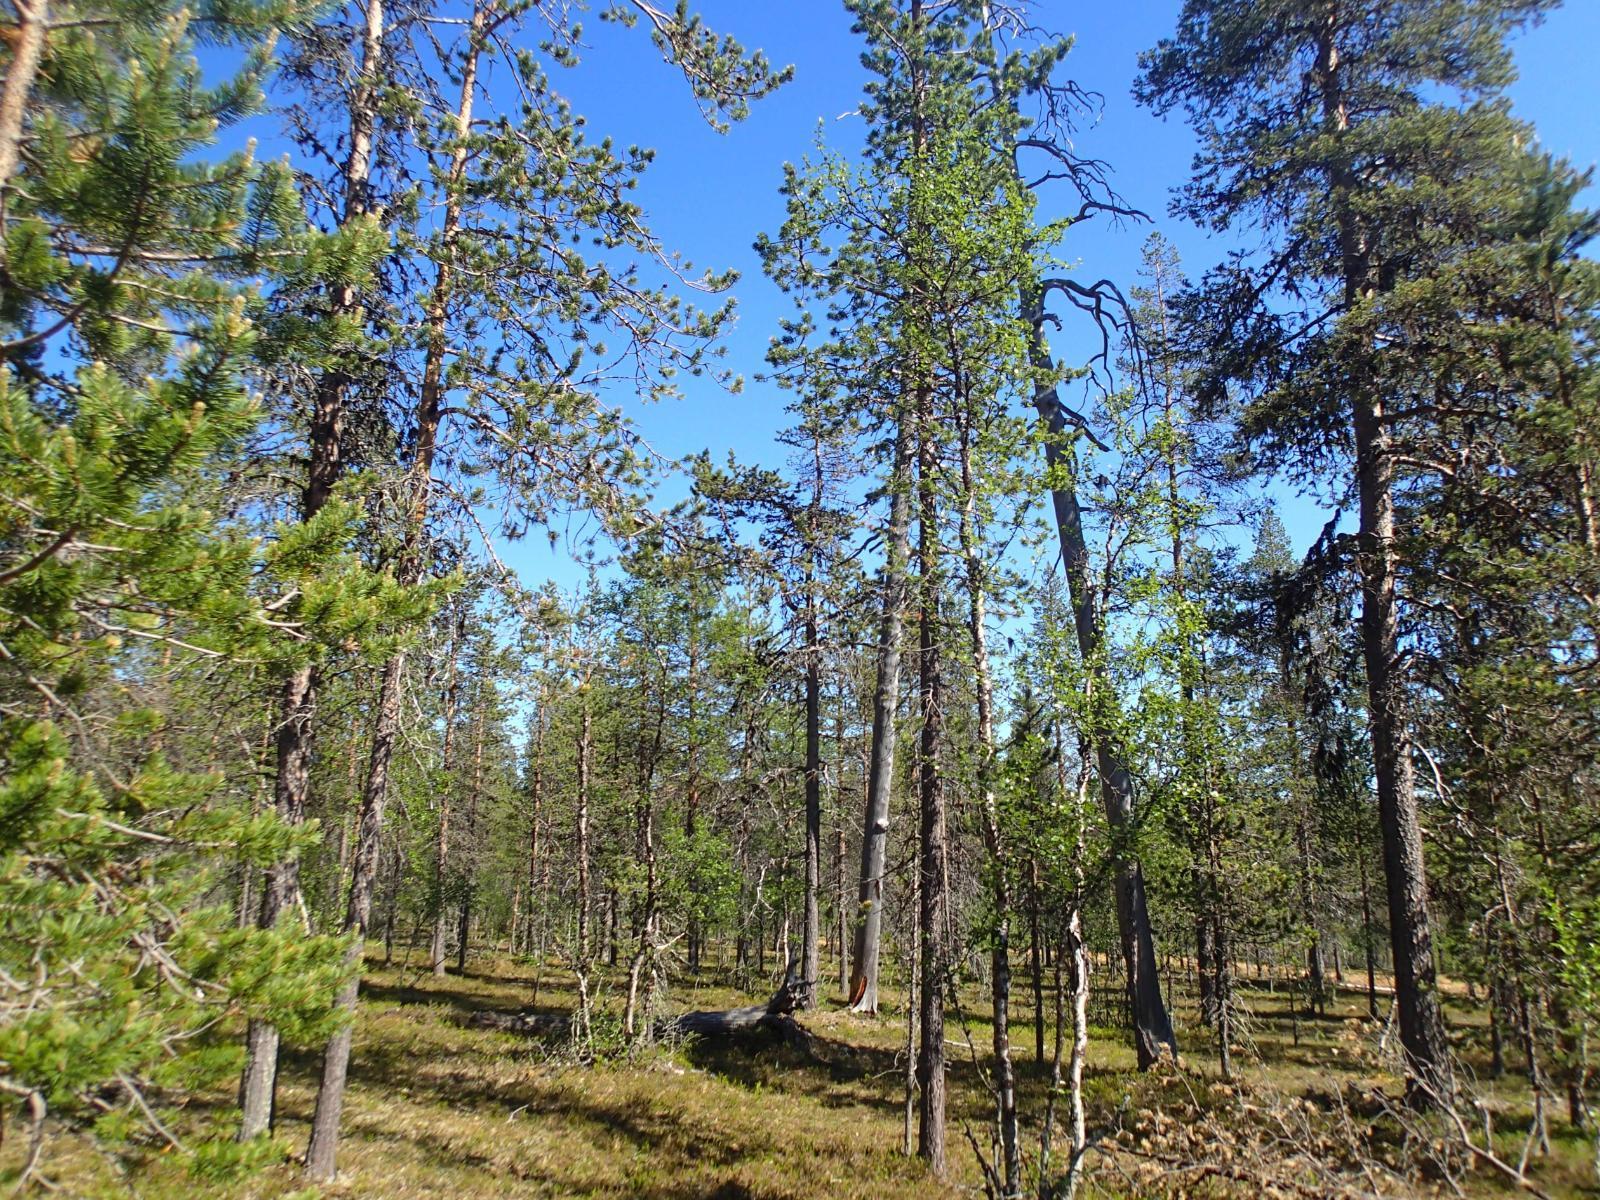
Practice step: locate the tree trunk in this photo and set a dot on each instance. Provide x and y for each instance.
(280, 892)
(1076, 954)
(1405, 874)
(322, 1151)
(1005, 1084)
(1152, 1027)
(323, 1147)
(932, 865)
(464, 925)
(811, 937)
(27, 47)
(441, 848)
(863, 994)
(297, 711)
(841, 917)
(1222, 981)
(1205, 980)
(585, 739)
(691, 806)
(644, 950)
(536, 897)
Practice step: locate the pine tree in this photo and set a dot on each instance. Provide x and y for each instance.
(132, 262)
(1333, 129)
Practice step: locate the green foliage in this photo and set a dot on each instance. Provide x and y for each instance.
(134, 266)
(119, 960)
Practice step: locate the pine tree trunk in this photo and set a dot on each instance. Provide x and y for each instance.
(1152, 1027)
(585, 740)
(27, 47)
(691, 806)
(297, 711)
(932, 865)
(811, 937)
(441, 848)
(1405, 874)
(1005, 1083)
(644, 949)
(280, 891)
(464, 924)
(841, 916)
(536, 896)
(863, 994)
(322, 1151)
(1205, 980)
(323, 1147)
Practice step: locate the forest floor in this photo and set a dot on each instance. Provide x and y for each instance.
(439, 1109)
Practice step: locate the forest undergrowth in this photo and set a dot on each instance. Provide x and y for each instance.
(438, 1107)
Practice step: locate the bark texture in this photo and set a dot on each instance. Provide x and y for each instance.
(1405, 873)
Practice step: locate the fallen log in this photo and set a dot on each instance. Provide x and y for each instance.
(772, 1020)
(526, 1023)
(752, 1023)
(730, 1022)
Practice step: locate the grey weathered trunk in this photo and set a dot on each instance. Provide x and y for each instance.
(863, 994)
(1152, 1027)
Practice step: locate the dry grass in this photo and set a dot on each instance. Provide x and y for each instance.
(439, 1110)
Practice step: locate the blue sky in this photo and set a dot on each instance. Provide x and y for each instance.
(709, 194)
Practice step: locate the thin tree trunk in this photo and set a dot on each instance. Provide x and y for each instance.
(464, 926)
(1222, 980)
(932, 865)
(585, 740)
(323, 1147)
(26, 40)
(1005, 1083)
(441, 847)
(297, 710)
(1152, 1027)
(1076, 954)
(1034, 965)
(536, 897)
(394, 901)
(913, 967)
(280, 892)
(811, 936)
(1205, 980)
(841, 917)
(322, 1150)
(691, 807)
(863, 994)
(644, 950)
